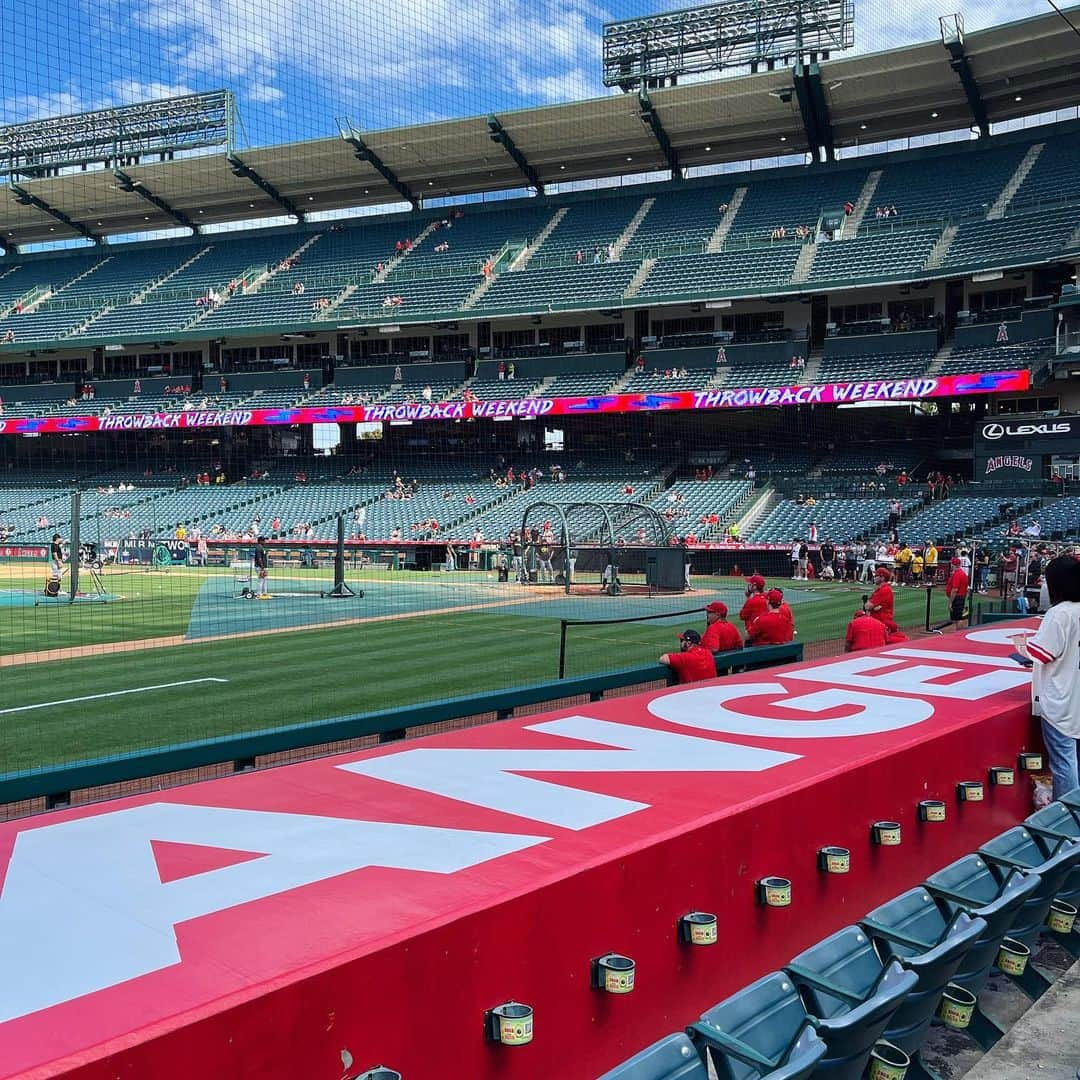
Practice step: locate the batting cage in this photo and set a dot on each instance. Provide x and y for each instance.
(606, 547)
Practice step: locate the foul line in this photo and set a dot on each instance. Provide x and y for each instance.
(111, 693)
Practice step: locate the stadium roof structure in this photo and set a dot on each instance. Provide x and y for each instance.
(1006, 72)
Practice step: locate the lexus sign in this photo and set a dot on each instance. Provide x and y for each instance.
(1021, 431)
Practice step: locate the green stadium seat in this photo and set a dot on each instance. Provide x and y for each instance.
(912, 929)
(1053, 861)
(671, 1058)
(761, 1031)
(852, 994)
(973, 886)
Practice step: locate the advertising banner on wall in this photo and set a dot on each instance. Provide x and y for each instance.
(1014, 448)
(659, 400)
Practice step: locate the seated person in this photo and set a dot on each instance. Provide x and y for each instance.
(720, 635)
(693, 662)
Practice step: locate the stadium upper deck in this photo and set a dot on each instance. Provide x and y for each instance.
(1000, 202)
(962, 209)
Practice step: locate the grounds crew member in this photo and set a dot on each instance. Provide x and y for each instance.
(720, 635)
(693, 662)
(864, 632)
(262, 564)
(775, 627)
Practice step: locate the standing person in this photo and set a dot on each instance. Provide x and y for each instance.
(804, 560)
(693, 662)
(852, 559)
(720, 635)
(56, 561)
(795, 546)
(1055, 684)
(956, 589)
(930, 560)
(262, 569)
(864, 632)
(917, 563)
(545, 570)
(755, 604)
(828, 554)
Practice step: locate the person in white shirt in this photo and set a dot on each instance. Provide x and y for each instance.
(1055, 685)
(795, 545)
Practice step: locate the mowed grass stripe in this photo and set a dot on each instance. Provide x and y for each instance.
(307, 675)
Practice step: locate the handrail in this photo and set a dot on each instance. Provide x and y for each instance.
(55, 783)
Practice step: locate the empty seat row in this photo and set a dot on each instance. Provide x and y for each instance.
(877, 986)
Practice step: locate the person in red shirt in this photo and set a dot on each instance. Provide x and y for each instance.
(775, 627)
(776, 597)
(864, 632)
(880, 604)
(756, 604)
(720, 635)
(693, 662)
(956, 589)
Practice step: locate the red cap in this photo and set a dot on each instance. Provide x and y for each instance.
(756, 580)
(883, 571)
(718, 607)
(954, 562)
(775, 596)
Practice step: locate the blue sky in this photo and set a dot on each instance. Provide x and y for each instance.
(295, 65)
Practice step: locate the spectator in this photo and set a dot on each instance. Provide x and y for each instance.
(864, 632)
(720, 635)
(693, 662)
(1055, 687)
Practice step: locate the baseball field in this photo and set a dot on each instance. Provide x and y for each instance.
(164, 657)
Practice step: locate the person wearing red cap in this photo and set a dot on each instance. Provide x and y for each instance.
(775, 627)
(720, 635)
(693, 662)
(756, 604)
(956, 589)
(864, 632)
(881, 601)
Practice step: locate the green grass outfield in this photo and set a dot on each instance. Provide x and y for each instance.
(428, 646)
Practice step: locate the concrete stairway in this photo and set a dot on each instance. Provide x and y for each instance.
(862, 203)
(940, 357)
(395, 261)
(758, 509)
(263, 278)
(1001, 203)
(804, 263)
(639, 277)
(529, 250)
(941, 248)
(48, 294)
(632, 227)
(720, 234)
(140, 296)
(812, 372)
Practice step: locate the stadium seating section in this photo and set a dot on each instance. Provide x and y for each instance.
(567, 252)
